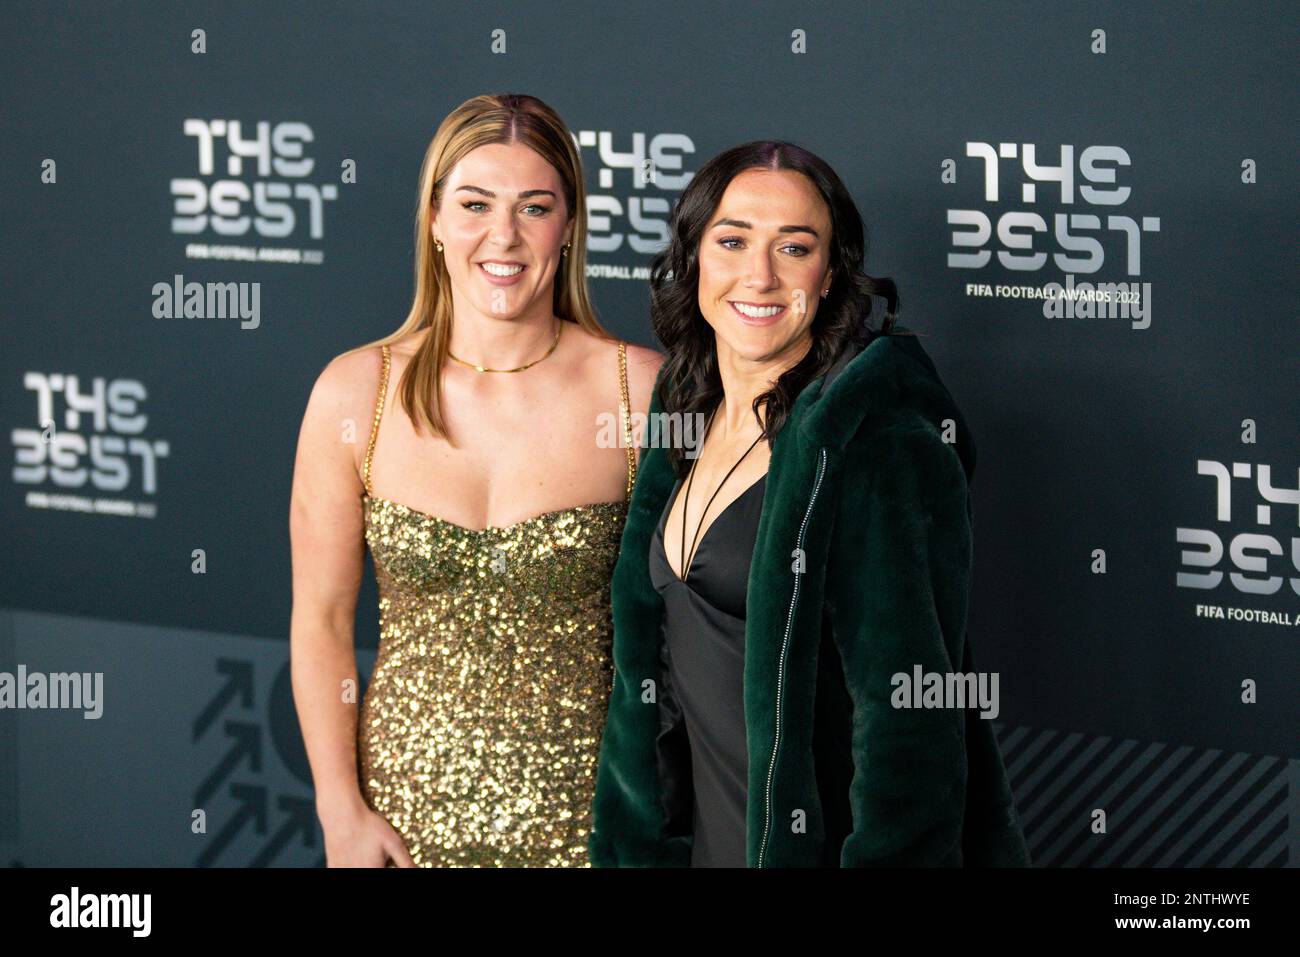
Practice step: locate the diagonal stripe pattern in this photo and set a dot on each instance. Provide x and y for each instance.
(1166, 805)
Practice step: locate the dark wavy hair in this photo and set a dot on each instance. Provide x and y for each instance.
(690, 381)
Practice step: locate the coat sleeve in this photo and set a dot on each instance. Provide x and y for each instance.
(641, 805)
(641, 812)
(899, 583)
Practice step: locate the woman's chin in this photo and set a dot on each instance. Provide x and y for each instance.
(758, 343)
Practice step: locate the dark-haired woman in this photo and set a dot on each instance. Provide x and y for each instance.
(773, 581)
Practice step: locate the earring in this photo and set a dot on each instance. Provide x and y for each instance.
(437, 245)
(825, 293)
(566, 248)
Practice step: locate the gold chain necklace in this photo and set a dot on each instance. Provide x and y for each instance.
(478, 368)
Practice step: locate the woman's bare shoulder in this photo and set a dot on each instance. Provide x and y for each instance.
(642, 371)
(605, 349)
(646, 359)
(642, 367)
(342, 402)
(355, 374)
(349, 378)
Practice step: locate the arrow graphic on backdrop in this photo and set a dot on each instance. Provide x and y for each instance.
(300, 818)
(247, 745)
(239, 681)
(252, 808)
(295, 824)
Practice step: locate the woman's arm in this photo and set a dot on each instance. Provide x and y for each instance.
(901, 566)
(328, 548)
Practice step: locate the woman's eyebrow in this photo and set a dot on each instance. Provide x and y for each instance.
(524, 195)
(741, 224)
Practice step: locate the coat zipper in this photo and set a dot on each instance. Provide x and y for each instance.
(780, 674)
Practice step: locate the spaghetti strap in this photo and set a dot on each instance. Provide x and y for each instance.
(625, 410)
(374, 426)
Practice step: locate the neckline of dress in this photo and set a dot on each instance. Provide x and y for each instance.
(707, 532)
(622, 502)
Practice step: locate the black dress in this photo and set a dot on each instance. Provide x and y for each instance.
(704, 633)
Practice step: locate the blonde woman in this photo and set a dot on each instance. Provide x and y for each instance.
(464, 450)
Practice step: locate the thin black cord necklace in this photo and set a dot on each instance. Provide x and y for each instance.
(686, 570)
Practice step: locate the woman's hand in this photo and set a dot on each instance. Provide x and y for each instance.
(362, 838)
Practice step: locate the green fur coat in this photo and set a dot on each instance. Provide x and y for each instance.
(861, 570)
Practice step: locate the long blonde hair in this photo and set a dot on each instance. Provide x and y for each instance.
(499, 118)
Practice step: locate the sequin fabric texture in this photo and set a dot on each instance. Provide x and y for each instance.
(480, 729)
(479, 735)
(479, 732)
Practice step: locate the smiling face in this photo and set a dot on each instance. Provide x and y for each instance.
(764, 261)
(503, 222)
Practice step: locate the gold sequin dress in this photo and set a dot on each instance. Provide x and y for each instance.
(479, 732)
